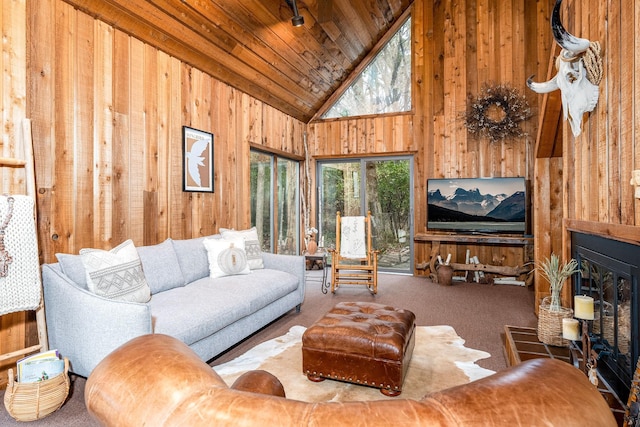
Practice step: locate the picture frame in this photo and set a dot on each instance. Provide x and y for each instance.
(197, 160)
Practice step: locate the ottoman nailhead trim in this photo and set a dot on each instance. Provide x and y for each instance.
(377, 317)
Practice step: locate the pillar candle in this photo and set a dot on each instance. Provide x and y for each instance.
(570, 329)
(583, 307)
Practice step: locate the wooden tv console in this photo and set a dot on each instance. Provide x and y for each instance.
(477, 239)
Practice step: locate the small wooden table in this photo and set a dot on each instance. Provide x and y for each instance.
(319, 258)
(522, 344)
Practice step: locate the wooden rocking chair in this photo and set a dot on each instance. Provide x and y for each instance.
(353, 261)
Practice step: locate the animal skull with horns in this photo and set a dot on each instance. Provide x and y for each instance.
(579, 68)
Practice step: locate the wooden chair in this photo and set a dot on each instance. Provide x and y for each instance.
(354, 261)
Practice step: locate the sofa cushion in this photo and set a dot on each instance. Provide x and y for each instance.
(226, 257)
(73, 268)
(251, 245)
(261, 288)
(202, 308)
(192, 257)
(116, 274)
(191, 314)
(161, 266)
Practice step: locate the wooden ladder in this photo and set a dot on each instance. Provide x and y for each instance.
(26, 146)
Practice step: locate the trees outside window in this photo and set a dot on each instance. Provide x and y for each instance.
(380, 185)
(385, 84)
(274, 202)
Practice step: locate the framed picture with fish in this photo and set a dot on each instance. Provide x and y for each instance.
(197, 160)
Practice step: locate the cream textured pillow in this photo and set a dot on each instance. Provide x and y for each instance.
(116, 274)
(251, 245)
(226, 257)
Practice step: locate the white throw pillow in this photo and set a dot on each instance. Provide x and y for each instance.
(226, 257)
(116, 274)
(251, 245)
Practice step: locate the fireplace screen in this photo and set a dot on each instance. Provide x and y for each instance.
(609, 273)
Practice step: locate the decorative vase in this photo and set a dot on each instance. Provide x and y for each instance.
(312, 247)
(445, 275)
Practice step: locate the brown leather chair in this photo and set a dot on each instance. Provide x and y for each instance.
(156, 380)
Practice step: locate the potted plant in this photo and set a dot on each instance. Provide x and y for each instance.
(551, 312)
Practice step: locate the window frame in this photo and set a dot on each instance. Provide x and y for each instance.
(274, 198)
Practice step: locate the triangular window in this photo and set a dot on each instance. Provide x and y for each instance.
(384, 86)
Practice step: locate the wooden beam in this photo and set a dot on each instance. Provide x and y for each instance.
(621, 232)
(549, 138)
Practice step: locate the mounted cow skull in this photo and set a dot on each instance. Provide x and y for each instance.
(579, 72)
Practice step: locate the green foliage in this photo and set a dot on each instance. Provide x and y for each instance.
(392, 185)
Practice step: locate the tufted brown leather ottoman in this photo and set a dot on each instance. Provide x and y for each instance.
(363, 343)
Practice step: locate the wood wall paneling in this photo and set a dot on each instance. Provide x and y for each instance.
(119, 108)
(460, 47)
(107, 114)
(17, 330)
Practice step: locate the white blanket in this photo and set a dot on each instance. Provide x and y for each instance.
(20, 290)
(353, 243)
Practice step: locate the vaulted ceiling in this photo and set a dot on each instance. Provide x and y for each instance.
(252, 44)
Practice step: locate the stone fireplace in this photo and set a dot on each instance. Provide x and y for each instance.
(610, 272)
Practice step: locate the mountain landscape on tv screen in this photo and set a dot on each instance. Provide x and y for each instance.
(472, 206)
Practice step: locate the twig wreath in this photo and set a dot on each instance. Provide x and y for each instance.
(497, 112)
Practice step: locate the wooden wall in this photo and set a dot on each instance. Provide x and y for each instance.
(107, 118)
(107, 113)
(458, 48)
(599, 162)
(15, 327)
(594, 195)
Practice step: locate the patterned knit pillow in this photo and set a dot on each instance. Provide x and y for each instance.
(116, 274)
(251, 245)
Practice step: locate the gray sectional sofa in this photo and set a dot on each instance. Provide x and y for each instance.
(209, 315)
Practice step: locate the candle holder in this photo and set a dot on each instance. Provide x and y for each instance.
(583, 312)
(589, 356)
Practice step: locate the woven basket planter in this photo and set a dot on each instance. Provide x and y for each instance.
(550, 324)
(32, 401)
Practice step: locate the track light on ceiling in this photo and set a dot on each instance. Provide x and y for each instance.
(297, 19)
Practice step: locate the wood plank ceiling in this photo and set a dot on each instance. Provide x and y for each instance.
(252, 44)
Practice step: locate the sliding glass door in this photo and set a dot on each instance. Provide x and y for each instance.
(380, 185)
(274, 202)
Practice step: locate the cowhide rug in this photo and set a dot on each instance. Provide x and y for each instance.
(440, 360)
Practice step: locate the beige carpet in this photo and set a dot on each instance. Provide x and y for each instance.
(440, 360)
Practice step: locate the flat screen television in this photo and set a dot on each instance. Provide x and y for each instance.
(477, 205)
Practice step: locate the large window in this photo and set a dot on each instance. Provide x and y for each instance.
(274, 202)
(385, 84)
